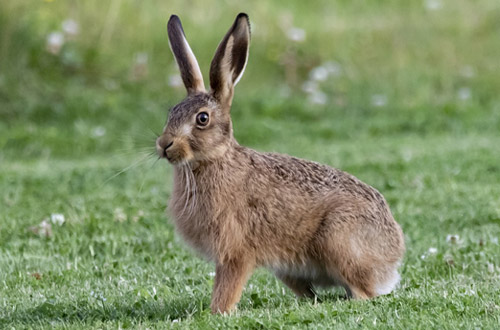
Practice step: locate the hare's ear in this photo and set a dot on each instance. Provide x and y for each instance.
(188, 66)
(230, 60)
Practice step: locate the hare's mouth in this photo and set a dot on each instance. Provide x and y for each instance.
(176, 156)
(173, 160)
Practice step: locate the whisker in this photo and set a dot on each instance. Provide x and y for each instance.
(137, 148)
(134, 164)
(186, 188)
(194, 203)
(149, 157)
(156, 161)
(189, 187)
(132, 152)
(149, 127)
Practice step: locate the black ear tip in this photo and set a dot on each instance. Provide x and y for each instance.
(174, 19)
(242, 15)
(174, 24)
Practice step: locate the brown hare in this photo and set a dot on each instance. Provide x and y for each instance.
(310, 224)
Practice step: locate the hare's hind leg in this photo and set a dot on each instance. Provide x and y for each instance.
(363, 276)
(353, 249)
(384, 281)
(301, 287)
(359, 279)
(357, 293)
(366, 270)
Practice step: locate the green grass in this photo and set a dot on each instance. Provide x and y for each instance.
(75, 131)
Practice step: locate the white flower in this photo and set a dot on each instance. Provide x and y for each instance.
(322, 72)
(175, 321)
(211, 274)
(453, 239)
(296, 34)
(141, 58)
(432, 250)
(433, 4)
(57, 219)
(464, 93)
(491, 267)
(119, 215)
(70, 27)
(318, 97)
(45, 229)
(138, 216)
(319, 73)
(55, 41)
(98, 131)
(379, 100)
(469, 292)
(175, 80)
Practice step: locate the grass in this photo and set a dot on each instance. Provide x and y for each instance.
(75, 131)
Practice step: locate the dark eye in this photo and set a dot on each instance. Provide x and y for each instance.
(202, 119)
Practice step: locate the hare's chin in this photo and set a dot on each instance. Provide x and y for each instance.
(175, 161)
(179, 161)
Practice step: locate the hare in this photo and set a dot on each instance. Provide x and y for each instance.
(310, 224)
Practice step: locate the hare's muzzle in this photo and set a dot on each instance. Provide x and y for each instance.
(162, 145)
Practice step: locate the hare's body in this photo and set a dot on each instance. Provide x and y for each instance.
(303, 220)
(312, 225)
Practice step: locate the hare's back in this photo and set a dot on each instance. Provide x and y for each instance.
(313, 177)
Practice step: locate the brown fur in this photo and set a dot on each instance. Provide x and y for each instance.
(311, 224)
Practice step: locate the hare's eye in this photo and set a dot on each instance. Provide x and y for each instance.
(202, 119)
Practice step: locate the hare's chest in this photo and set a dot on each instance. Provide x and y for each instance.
(197, 223)
(194, 226)
(206, 216)
(211, 230)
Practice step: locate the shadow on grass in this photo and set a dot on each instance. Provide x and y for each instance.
(129, 312)
(88, 312)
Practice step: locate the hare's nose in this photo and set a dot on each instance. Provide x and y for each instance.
(162, 144)
(166, 148)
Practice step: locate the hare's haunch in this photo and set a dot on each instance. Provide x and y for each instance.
(312, 225)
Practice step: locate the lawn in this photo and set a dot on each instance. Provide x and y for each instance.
(404, 95)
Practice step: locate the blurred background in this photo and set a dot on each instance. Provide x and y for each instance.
(85, 77)
(405, 95)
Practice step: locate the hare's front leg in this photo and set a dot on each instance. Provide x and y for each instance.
(230, 277)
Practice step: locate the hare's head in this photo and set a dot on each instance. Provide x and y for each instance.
(199, 128)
